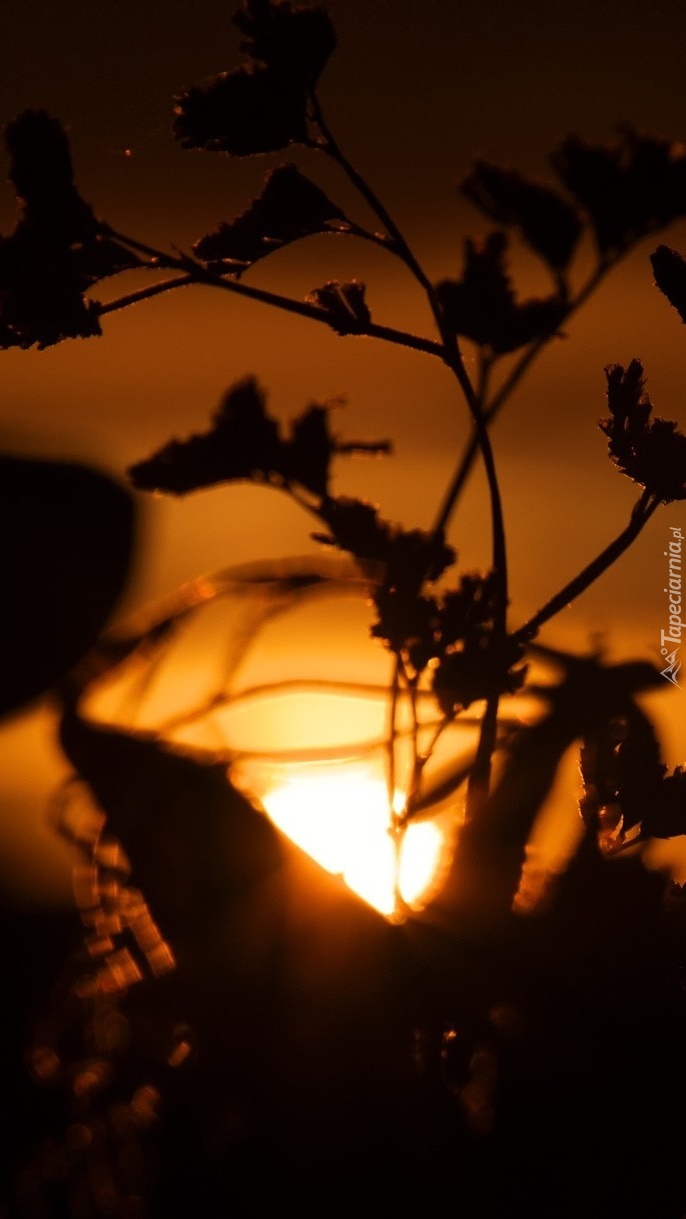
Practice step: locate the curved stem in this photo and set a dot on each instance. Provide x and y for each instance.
(398, 245)
(469, 454)
(529, 355)
(195, 274)
(392, 734)
(643, 510)
(475, 401)
(144, 294)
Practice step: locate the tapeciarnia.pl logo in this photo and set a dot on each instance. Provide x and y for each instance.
(673, 635)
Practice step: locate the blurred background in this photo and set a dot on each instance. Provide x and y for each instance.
(413, 93)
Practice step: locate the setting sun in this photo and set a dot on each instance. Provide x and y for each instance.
(340, 816)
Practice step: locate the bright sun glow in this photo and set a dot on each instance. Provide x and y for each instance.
(341, 820)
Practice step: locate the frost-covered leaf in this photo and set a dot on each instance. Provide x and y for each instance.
(482, 306)
(669, 269)
(248, 110)
(348, 312)
(289, 207)
(293, 40)
(631, 187)
(652, 452)
(548, 223)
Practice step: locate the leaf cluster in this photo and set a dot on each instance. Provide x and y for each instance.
(245, 443)
(481, 305)
(650, 451)
(58, 248)
(289, 207)
(626, 784)
(262, 105)
(629, 188)
(453, 634)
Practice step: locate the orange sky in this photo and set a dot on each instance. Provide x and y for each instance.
(412, 98)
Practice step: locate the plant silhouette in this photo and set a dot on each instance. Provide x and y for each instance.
(435, 1054)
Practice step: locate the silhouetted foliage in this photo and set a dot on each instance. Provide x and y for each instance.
(669, 269)
(289, 207)
(244, 442)
(482, 306)
(344, 304)
(245, 111)
(67, 538)
(320, 1040)
(665, 815)
(547, 222)
(263, 105)
(652, 452)
(58, 249)
(295, 41)
(634, 186)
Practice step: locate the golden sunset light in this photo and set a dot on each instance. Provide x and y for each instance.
(342, 695)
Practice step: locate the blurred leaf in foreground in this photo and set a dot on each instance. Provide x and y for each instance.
(67, 541)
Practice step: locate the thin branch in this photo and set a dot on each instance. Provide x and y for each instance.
(392, 733)
(464, 466)
(529, 355)
(459, 478)
(193, 273)
(144, 294)
(398, 244)
(642, 512)
(475, 402)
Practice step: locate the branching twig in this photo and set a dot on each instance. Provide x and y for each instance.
(643, 510)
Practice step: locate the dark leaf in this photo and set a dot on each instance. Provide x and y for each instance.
(640, 769)
(468, 607)
(411, 556)
(652, 452)
(482, 307)
(293, 40)
(629, 188)
(483, 667)
(249, 110)
(348, 312)
(309, 451)
(548, 223)
(43, 178)
(669, 269)
(244, 442)
(289, 207)
(67, 539)
(404, 560)
(493, 845)
(622, 771)
(191, 870)
(472, 662)
(407, 625)
(58, 248)
(665, 815)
